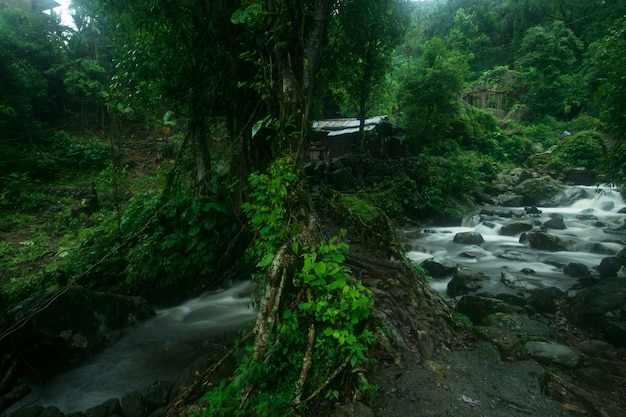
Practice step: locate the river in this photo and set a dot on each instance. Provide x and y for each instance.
(158, 349)
(585, 223)
(161, 347)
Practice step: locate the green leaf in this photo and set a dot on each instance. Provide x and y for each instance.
(257, 126)
(320, 268)
(294, 246)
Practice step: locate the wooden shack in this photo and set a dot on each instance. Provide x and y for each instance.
(340, 138)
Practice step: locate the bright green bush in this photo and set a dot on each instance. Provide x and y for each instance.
(586, 149)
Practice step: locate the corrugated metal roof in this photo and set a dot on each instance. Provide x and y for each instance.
(348, 125)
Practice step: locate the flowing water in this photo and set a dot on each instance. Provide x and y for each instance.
(161, 347)
(158, 349)
(586, 221)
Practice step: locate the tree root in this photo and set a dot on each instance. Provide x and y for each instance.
(193, 392)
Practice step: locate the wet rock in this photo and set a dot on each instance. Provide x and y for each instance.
(354, 409)
(600, 307)
(509, 200)
(576, 269)
(600, 249)
(107, 409)
(532, 210)
(76, 324)
(516, 228)
(439, 266)
(506, 341)
(477, 307)
(609, 266)
(586, 217)
(521, 325)
(542, 191)
(543, 300)
(157, 395)
(463, 283)
(544, 241)
(554, 354)
(512, 177)
(512, 255)
(597, 348)
(468, 238)
(556, 222)
(190, 374)
(51, 411)
(580, 176)
(511, 299)
(520, 283)
(30, 411)
(133, 405)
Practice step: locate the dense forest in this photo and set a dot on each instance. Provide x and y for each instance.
(162, 148)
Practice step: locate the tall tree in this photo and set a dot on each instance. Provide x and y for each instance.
(548, 56)
(431, 92)
(174, 54)
(612, 93)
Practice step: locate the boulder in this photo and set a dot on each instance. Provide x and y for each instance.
(541, 191)
(29, 411)
(468, 238)
(556, 222)
(542, 300)
(506, 341)
(609, 266)
(132, 405)
(576, 269)
(544, 241)
(463, 283)
(439, 266)
(554, 354)
(106, 409)
(516, 228)
(601, 308)
(580, 176)
(157, 395)
(70, 324)
(518, 283)
(521, 325)
(512, 177)
(354, 409)
(477, 307)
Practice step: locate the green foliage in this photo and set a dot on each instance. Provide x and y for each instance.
(267, 209)
(429, 94)
(162, 245)
(439, 178)
(586, 149)
(547, 59)
(396, 198)
(461, 321)
(547, 135)
(20, 192)
(29, 51)
(337, 306)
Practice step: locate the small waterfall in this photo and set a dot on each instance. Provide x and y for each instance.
(158, 349)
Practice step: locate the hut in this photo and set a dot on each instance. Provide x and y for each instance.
(340, 138)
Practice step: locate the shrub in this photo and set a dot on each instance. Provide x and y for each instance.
(586, 149)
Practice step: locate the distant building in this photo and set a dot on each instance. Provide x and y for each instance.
(340, 137)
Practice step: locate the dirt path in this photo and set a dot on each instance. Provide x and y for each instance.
(463, 383)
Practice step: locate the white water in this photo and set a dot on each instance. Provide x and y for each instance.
(547, 266)
(158, 349)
